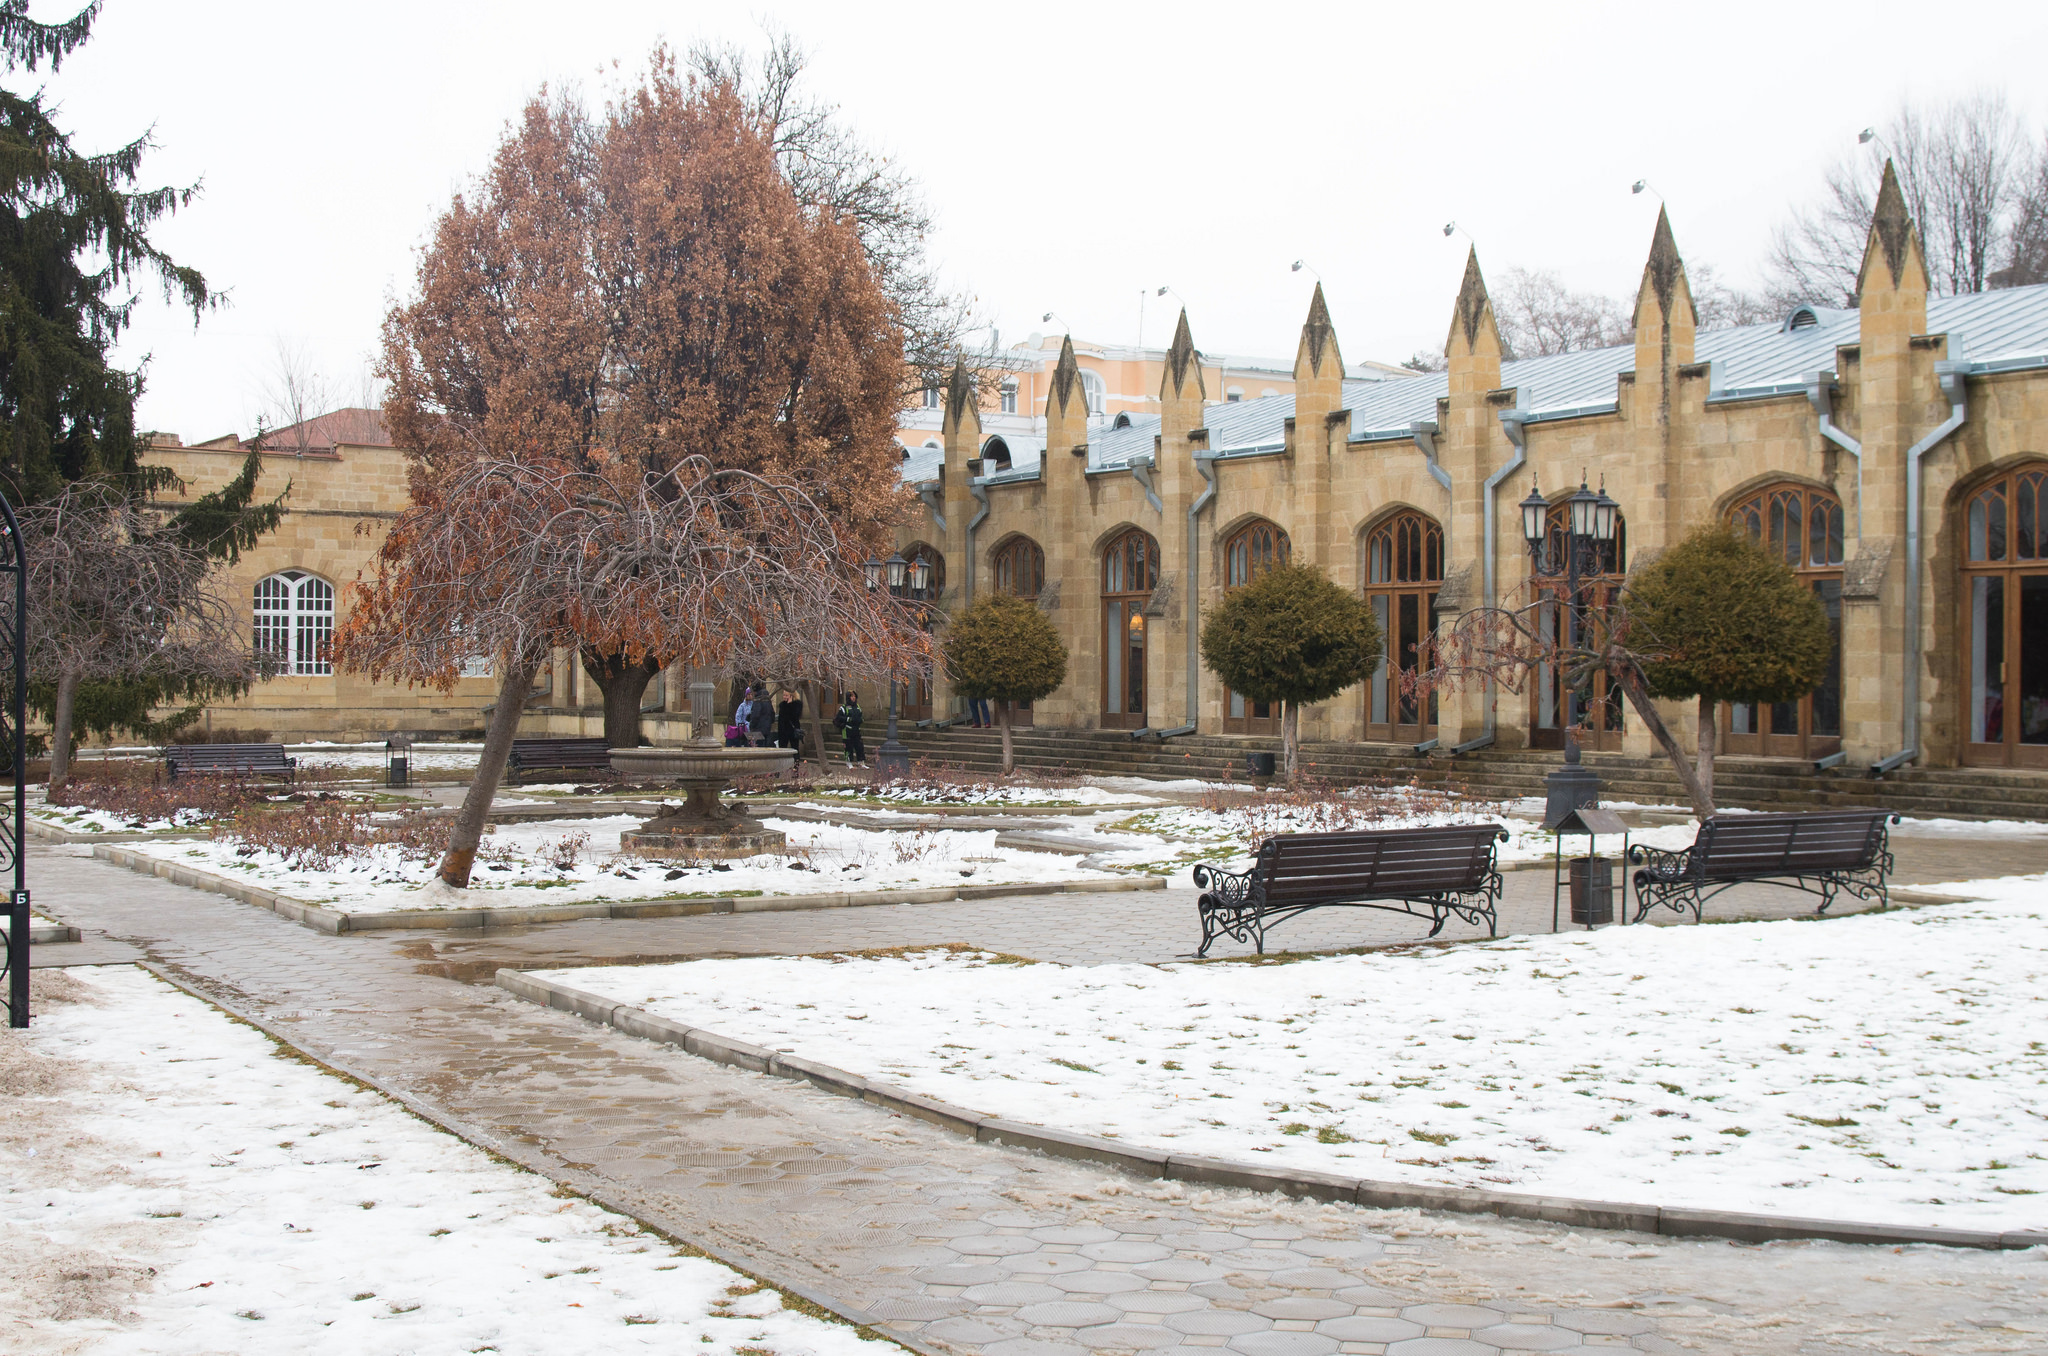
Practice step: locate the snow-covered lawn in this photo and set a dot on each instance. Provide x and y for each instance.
(176, 1185)
(1888, 1067)
(989, 793)
(577, 861)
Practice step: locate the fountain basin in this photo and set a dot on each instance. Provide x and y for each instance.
(702, 827)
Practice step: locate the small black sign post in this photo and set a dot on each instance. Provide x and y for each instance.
(13, 727)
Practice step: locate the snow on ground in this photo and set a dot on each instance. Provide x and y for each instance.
(1885, 1067)
(990, 794)
(578, 861)
(192, 1190)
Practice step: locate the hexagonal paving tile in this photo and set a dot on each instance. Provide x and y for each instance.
(1097, 1282)
(1124, 1251)
(1452, 1315)
(1441, 1346)
(974, 1330)
(1180, 1269)
(1043, 1263)
(1202, 1240)
(1302, 1306)
(960, 1275)
(992, 1245)
(1157, 1301)
(1370, 1296)
(1342, 1249)
(1261, 1259)
(1527, 1336)
(1011, 1292)
(1284, 1344)
(897, 1309)
(1066, 1313)
(1606, 1322)
(1074, 1233)
(1031, 1346)
(916, 1255)
(1128, 1336)
(1360, 1328)
(1281, 1231)
(1216, 1322)
(1313, 1278)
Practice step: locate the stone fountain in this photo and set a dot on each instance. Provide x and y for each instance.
(702, 827)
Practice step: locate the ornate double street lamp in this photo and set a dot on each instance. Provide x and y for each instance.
(910, 581)
(1578, 551)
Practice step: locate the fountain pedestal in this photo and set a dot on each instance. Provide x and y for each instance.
(702, 827)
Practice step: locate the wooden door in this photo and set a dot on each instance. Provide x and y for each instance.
(2005, 621)
(1801, 525)
(1249, 553)
(1130, 570)
(1404, 567)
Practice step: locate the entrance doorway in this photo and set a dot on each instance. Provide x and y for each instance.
(1802, 526)
(1404, 569)
(2005, 608)
(1130, 571)
(1019, 570)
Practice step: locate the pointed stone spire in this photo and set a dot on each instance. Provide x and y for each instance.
(1667, 319)
(1318, 345)
(963, 398)
(1182, 361)
(1066, 380)
(1893, 239)
(1066, 409)
(1473, 347)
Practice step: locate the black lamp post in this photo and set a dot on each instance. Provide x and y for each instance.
(1589, 530)
(911, 581)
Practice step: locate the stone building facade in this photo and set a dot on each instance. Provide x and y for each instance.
(1895, 453)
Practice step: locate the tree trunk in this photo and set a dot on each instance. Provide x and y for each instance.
(60, 733)
(1639, 697)
(490, 770)
(1009, 751)
(623, 685)
(1290, 737)
(1710, 738)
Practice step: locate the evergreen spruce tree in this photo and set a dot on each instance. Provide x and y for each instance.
(74, 247)
(1290, 636)
(1003, 648)
(1719, 619)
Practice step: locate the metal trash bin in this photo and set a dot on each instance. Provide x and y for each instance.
(1259, 764)
(1592, 890)
(398, 760)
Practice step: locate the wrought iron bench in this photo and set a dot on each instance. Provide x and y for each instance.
(1425, 873)
(243, 760)
(1824, 853)
(529, 755)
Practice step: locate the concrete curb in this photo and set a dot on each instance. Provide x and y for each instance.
(323, 919)
(1147, 1162)
(46, 934)
(535, 1161)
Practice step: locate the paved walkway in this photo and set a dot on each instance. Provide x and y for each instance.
(961, 1245)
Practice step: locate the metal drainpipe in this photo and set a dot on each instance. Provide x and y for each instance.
(1953, 377)
(980, 493)
(1511, 422)
(1205, 465)
(1141, 471)
(1424, 434)
(1820, 394)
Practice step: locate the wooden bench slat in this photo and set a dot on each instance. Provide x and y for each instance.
(1821, 852)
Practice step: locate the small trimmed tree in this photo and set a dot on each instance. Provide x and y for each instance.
(1718, 618)
(1003, 648)
(1290, 636)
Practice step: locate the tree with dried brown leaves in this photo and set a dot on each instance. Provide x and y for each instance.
(648, 286)
(513, 555)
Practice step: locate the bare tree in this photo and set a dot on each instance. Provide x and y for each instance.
(2027, 245)
(1963, 168)
(117, 600)
(512, 556)
(832, 170)
(1722, 307)
(1538, 315)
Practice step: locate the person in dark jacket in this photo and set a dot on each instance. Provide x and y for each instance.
(789, 719)
(760, 721)
(848, 722)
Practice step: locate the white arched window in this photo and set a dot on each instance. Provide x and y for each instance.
(295, 621)
(1093, 391)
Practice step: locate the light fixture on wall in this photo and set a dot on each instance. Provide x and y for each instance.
(1299, 265)
(1642, 186)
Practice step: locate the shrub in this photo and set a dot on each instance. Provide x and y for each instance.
(1006, 650)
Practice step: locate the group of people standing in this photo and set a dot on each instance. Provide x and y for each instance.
(759, 721)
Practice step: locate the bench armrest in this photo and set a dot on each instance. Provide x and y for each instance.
(1228, 887)
(1660, 863)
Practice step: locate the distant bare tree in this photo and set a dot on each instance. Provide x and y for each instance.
(1722, 307)
(831, 169)
(1968, 181)
(295, 392)
(117, 600)
(2027, 249)
(1538, 315)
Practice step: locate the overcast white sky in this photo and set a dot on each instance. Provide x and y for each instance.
(1076, 154)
